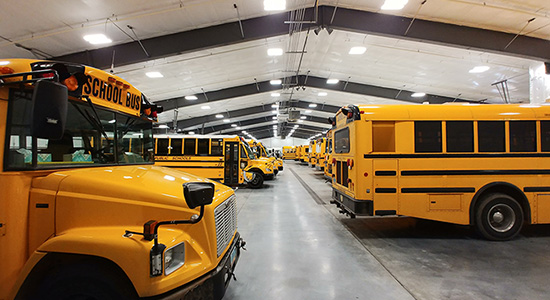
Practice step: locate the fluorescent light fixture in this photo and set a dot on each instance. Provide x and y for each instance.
(394, 4)
(163, 126)
(308, 111)
(191, 132)
(233, 125)
(154, 75)
(322, 94)
(274, 52)
(357, 50)
(273, 111)
(332, 81)
(238, 128)
(275, 94)
(418, 95)
(312, 105)
(274, 118)
(205, 107)
(271, 5)
(219, 116)
(275, 82)
(300, 121)
(243, 132)
(479, 69)
(192, 97)
(97, 39)
(112, 121)
(226, 120)
(274, 121)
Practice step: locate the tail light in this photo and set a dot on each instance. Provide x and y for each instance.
(6, 70)
(334, 161)
(71, 83)
(350, 163)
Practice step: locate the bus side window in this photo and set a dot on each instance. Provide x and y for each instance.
(216, 147)
(427, 136)
(176, 146)
(189, 146)
(491, 136)
(383, 136)
(523, 136)
(545, 136)
(162, 146)
(203, 146)
(460, 136)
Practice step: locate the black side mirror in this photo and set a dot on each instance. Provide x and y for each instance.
(50, 102)
(198, 193)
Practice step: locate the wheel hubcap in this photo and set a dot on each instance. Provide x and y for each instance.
(501, 218)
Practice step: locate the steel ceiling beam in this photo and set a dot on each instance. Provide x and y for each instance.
(344, 19)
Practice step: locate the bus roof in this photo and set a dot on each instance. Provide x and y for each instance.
(456, 111)
(198, 136)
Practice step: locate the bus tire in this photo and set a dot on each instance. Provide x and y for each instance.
(257, 180)
(90, 281)
(499, 217)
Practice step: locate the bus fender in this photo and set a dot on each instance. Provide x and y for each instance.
(129, 253)
(505, 188)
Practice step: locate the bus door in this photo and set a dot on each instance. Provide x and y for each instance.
(386, 186)
(231, 164)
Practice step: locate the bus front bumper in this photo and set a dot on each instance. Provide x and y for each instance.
(350, 205)
(217, 280)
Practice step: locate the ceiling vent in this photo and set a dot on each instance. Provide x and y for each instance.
(293, 115)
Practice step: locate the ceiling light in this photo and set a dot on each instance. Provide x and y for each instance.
(275, 94)
(270, 5)
(394, 4)
(154, 75)
(296, 126)
(274, 121)
(308, 111)
(303, 117)
(275, 82)
(479, 69)
(274, 118)
(357, 50)
(233, 125)
(332, 81)
(97, 39)
(274, 52)
(191, 132)
(313, 105)
(113, 121)
(238, 128)
(205, 107)
(226, 120)
(273, 111)
(322, 94)
(219, 116)
(300, 121)
(163, 126)
(418, 95)
(243, 132)
(192, 97)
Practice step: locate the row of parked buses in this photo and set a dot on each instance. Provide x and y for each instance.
(317, 154)
(486, 166)
(84, 210)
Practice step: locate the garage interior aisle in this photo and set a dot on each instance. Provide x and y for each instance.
(300, 247)
(296, 249)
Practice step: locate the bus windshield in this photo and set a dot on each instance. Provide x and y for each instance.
(249, 151)
(93, 136)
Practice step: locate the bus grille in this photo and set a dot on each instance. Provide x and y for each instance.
(225, 216)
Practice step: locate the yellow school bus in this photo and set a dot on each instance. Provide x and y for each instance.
(261, 152)
(487, 166)
(224, 158)
(299, 150)
(320, 152)
(312, 154)
(304, 153)
(289, 152)
(329, 163)
(83, 212)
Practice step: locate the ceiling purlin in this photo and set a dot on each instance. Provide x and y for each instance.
(187, 123)
(344, 19)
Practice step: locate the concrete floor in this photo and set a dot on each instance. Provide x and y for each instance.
(300, 247)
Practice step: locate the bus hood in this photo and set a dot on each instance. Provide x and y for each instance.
(145, 183)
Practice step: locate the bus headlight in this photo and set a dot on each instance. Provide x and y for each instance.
(268, 169)
(174, 258)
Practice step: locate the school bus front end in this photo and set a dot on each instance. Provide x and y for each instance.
(93, 218)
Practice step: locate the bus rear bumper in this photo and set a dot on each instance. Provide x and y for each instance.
(215, 282)
(350, 205)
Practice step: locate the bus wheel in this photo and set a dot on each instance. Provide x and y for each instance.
(86, 282)
(257, 180)
(499, 217)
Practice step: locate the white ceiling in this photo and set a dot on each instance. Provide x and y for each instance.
(56, 28)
